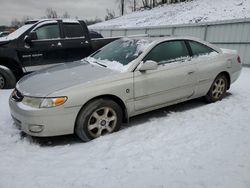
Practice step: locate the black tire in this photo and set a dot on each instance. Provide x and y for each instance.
(7, 78)
(218, 89)
(87, 118)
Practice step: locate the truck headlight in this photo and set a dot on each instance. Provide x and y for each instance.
(36, 102)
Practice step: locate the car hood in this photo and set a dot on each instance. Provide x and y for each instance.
(3, 41)
(47, 81)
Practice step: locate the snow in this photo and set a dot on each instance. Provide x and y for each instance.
(224, 50)
(189, 145)
(140, 44)
(196, 11)
(113, 65)
(17, 33)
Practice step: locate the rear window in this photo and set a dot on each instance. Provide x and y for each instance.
(73, 30)
(199, 49)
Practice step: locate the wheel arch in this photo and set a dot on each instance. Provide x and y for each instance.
(13, 65)
(118, 100)
(228, 78)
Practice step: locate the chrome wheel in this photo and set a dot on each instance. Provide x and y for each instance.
(102, 121)
(219, 88)
(2, 82)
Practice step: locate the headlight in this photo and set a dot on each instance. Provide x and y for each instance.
(53, 102)
(44, 102)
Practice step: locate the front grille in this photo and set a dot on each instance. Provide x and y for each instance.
(17, 96)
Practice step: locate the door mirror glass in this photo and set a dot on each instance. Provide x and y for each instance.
(32, 36)
(148, 65)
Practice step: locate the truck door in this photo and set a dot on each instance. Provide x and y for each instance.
(76, 43)
(46, 50)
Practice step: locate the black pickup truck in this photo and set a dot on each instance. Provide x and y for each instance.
(42, 43)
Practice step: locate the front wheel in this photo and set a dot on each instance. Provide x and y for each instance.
(218, 89)
(97, 118)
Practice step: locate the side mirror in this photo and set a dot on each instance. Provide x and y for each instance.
(148, 65)
(31, 36)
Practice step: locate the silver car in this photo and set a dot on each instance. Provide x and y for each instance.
(127, 77)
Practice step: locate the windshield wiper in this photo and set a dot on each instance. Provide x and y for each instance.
(100, 64)
(96, 63)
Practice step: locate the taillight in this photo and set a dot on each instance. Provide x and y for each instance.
(238, 59)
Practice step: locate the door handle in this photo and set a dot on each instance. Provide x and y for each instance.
(59, 44)
(191, 72)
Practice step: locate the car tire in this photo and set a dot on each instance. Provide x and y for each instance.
(218, 89)
(7, 78)
(98, 117)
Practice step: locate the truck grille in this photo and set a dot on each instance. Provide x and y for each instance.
(17, 96)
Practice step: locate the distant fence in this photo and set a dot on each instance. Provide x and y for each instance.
(232, 34)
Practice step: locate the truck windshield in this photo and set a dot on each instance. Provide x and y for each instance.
(122, 50)
(19, 32)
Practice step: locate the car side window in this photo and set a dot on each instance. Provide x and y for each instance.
(199, 49)
(73, 30)
(50, 31)
(167, 52)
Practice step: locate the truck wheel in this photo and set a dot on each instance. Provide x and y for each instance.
(7, 78)
(97, 118)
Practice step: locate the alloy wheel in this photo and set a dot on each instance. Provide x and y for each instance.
(218, 88)
(102, 121)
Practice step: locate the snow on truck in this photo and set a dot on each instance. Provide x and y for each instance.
(43, 43)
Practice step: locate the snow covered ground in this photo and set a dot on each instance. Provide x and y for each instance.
(189, 145)
(195, 11)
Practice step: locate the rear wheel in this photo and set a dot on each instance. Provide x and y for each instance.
(99, 117)
(218, 89)
(7, 78)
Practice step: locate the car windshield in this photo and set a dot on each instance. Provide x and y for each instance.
(19, 32)
(122, 50)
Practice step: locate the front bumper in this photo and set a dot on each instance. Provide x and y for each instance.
(44, 122)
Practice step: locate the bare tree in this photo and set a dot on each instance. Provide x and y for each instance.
(110, 14)
(66, 15)
(133, 5)
(50, 13)
(19, 23)
(121, 6)
(93, 21)
(146, 3)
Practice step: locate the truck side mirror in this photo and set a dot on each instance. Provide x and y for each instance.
(148, 65)
(31, 36)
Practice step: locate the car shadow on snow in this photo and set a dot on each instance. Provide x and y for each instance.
(140, 119)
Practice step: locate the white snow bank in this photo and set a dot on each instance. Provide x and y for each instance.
(190, 145)
(195, 11)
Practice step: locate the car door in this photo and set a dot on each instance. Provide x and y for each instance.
(174, 78)
(77, 45)
(47, 49)
(206, 60)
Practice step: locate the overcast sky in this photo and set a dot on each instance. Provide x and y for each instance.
(84, 9)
